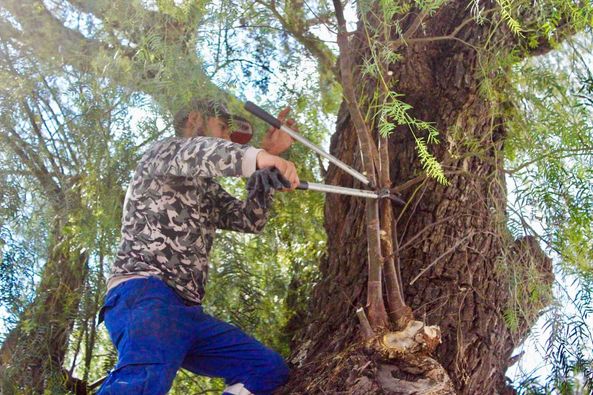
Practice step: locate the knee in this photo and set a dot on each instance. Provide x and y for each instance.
(281, 369)
(270, 376)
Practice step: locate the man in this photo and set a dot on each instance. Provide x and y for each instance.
(172, 208)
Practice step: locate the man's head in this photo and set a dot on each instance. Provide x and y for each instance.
(206, 117)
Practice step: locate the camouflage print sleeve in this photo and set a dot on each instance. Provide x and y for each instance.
(198, 157)
(249, 216)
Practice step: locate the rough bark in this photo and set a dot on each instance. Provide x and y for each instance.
(455, 247)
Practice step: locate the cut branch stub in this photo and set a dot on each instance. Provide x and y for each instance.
(414, 338)
(365, 326)
(410, 369)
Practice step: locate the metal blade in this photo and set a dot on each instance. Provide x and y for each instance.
(311, 186)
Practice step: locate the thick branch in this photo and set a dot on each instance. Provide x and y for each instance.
(370, 154)
(399, 312)
(313, 44)
(30, 159)
(376, 305)
(41, 138)
(50, 38)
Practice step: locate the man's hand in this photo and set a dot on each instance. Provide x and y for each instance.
(276, 141)
(265, 180)
(286, 168)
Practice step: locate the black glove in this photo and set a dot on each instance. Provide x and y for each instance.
(263, 181)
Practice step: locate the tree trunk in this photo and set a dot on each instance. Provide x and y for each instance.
(455, 250)
(33, 353)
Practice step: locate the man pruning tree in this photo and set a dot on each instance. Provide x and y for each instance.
(172, 209)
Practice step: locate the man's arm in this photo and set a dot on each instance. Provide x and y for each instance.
(249, 216)
(198, 157)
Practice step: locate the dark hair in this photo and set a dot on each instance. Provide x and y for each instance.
(179, 122)
(206, 107)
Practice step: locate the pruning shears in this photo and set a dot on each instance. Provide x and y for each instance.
(326, 188)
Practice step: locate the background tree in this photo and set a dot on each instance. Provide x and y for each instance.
(58, 141)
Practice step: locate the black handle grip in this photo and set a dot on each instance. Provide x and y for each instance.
(262, 114)
(304, 185)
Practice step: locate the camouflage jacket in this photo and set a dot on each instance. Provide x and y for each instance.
(173, 207)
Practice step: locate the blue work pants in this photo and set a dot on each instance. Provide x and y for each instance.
(156, 333)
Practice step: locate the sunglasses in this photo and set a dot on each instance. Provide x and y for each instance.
(241, 130)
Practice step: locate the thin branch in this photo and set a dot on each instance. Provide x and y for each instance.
(239, 27)
(322, 168)
(370, 153)
(427, 228)
(416, 203)
(415, 25)
(41, 138)
(570, 153)
(406, 40)
(397, 257)
(418, 179)
(242, 60)
(48, 129)
(319, 19)
(31, 115)
(75, 152)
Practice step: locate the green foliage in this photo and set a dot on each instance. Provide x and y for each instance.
(390, 8)
(429, 6)
(394, 113)
(506, 13)
(549, 151)
(17, 263)
(569, 342)
(90, 115)
(74, 130)
(247, 51)
(529, 290)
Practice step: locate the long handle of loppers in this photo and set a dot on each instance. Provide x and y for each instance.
(275, 122)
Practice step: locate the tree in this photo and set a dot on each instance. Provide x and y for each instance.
(450, 240)
(412, 73)
(57, 142)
